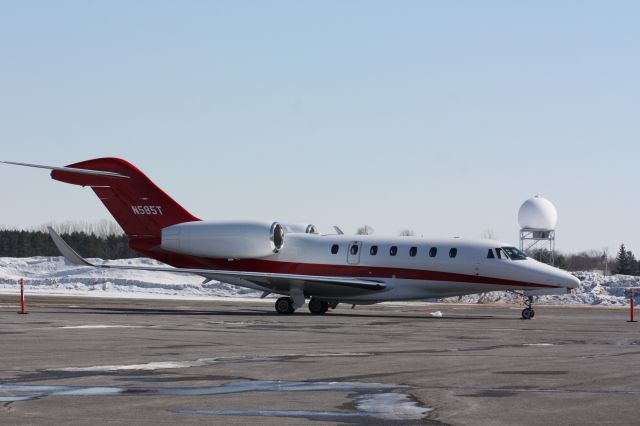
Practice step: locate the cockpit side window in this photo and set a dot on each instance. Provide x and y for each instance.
(490, 254)
(499, 253)
(514, 253)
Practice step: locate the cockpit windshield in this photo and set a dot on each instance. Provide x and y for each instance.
(513, 253)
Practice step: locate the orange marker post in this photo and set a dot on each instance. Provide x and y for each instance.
(631, 305)
(23, 306)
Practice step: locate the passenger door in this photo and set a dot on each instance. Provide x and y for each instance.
(476, 268)
(353, 254)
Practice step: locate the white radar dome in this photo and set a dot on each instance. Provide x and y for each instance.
(537, 213)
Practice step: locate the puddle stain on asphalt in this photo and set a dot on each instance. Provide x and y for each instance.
(382, 406)
(372, 400)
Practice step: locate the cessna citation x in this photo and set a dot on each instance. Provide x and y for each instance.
(295, 260)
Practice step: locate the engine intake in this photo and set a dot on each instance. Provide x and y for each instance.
(230, 240)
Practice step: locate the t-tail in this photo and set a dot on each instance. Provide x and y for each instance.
(139, 206)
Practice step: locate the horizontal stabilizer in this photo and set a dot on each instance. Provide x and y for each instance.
(71, 170)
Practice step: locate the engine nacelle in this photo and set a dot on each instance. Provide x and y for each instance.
(227, 240)
(300, 228)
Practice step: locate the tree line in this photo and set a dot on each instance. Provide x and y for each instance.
(624, 263)
(23, 243)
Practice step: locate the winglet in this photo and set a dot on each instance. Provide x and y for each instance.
(67, 251)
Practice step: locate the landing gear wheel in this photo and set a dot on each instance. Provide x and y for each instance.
(318, 307)
(528, 313)
(284, 305)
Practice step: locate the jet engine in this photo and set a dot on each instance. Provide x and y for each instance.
(230, 240)
(300, 228)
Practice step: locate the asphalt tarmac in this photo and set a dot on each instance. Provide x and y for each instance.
(111, 361)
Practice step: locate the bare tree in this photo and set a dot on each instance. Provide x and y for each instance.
(407, 233)
(488, 234)
(103, 228)
(364, 230)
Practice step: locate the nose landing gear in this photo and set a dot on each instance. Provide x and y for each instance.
(528, 312)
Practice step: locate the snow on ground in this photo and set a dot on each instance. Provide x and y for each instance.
(594, 289)
(54, 276)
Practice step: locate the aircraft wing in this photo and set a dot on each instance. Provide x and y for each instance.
(335, 286)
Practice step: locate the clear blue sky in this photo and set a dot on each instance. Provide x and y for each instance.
(441, 117)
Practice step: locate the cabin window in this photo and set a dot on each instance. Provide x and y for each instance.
(393, 250)
(413, 251)
(453, 252)
(373, 250)
(433, 251)
(334, 249)
(490, 254)
(354, 249)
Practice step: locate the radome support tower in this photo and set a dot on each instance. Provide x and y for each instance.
(538, 218)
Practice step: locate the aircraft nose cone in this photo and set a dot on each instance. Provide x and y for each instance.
(570, 281)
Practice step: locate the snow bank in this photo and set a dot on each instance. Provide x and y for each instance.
(52, 275)
(594, 289)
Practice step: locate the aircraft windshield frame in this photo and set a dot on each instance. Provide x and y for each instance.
(513, 253)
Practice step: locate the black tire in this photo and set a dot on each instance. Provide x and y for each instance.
(532, 313)
(318, 307)
(527, 313)
(284, 305)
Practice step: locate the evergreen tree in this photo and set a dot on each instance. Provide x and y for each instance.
(625, 261)
(14, 243)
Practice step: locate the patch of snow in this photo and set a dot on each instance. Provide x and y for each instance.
(391, 406)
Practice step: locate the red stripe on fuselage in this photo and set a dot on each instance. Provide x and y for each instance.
(326, 270)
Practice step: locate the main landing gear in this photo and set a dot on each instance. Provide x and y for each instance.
(286, 305)
(528, 312)
(318, 307)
